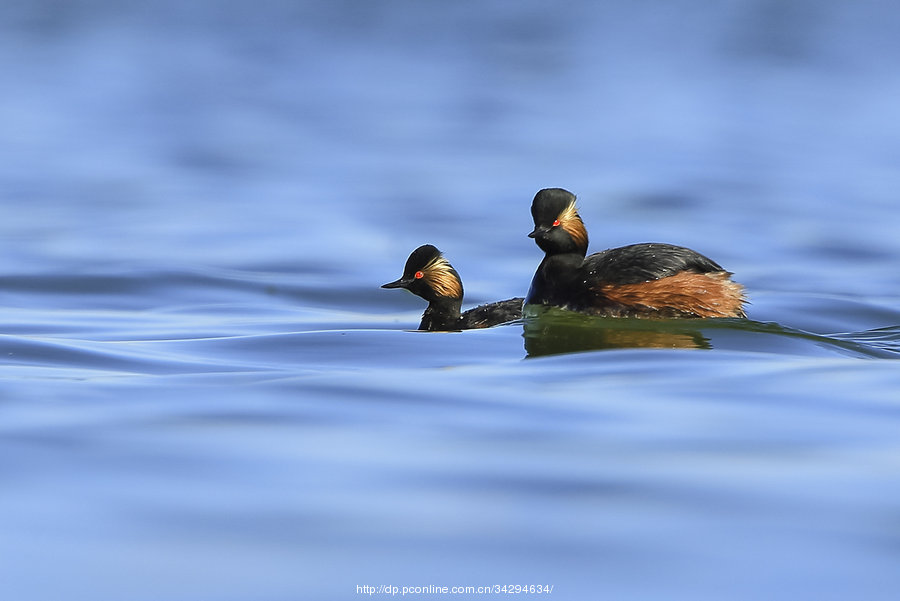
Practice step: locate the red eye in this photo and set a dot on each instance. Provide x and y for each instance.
(419, 275)
(555, 222)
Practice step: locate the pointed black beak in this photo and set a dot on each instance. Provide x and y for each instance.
(401, 283)
(539, 231)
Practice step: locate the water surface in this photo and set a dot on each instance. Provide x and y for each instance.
(205, 395)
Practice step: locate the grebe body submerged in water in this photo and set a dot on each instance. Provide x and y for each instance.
(429, 275)
(639, 280)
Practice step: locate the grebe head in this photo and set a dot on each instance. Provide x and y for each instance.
(429, 275)
(557, 226)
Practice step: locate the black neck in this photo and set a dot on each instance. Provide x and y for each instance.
(442, 314)
(555, 279)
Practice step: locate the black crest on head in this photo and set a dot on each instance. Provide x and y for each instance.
(549, 204)
(557, 226)
(420, 258)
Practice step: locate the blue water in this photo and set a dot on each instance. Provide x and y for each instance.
(204, 393)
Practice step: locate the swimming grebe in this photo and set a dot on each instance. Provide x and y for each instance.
(429, 275)
(639, 280)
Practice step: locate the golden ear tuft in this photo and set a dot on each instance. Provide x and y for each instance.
(571, 222)
(441, 277)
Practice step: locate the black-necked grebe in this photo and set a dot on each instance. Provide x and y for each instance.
(429, 275)
(640, 280)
